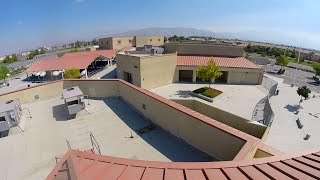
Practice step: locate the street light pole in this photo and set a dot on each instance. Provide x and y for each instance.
(294, 75)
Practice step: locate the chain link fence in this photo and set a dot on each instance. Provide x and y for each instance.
(263, 112)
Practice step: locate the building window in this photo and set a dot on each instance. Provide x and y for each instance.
(119, 42)
(107, 42)
(150, 40)
(159, 39)
(130, 40)
(135, 66)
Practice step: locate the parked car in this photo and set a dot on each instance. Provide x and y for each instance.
(317, 79)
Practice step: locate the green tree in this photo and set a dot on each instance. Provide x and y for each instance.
(303, 91)
(282, 60)
(209, 72)
(316, 67)
(33, 54)
(94, 42)
(10, 59)
(3, 72)
(72, 74)
(77, 44)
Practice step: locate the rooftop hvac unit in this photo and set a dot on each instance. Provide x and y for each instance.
(12, 115)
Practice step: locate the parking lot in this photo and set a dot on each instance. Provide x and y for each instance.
(299, 77)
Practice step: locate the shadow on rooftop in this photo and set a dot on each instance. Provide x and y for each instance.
(158, 138)
(111, 75)
(313, 83)
(291, 108)
(183, 94)
(60, 113)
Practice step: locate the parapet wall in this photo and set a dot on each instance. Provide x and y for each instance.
(253, 128)
(212, 137)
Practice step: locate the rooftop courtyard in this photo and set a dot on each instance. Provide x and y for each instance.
(236, 99)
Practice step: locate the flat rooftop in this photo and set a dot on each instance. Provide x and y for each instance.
(236, 99)
(31, 154)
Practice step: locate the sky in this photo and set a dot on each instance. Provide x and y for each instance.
(27, 24)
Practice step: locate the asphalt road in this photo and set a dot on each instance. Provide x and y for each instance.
(299, 77)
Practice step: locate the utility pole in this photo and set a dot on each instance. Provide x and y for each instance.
(297, 64)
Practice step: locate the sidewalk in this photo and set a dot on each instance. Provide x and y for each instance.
(284, 133)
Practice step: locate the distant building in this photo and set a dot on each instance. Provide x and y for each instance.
(133, 41)
(2, 58)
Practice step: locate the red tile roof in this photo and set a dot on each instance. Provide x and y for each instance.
(81, 165)
(77, 60)
(227, 62)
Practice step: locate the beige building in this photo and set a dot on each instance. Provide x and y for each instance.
(196, 48)
(150, 71)
(134, 41)
(146, 70)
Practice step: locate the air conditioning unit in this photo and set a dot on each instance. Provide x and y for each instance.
(12, 115)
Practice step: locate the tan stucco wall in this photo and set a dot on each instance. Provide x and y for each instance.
(157, 71)
(224, 117)
(105, 43)
(148, 40)
(245, 76)
(113, 42)
(28, 94)
(147, 71)
(204, 49)
(95, 88)
(211, 140)
(130, 64)
(254, 76)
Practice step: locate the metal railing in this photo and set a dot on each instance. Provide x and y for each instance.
(95, 144)
(263, 112)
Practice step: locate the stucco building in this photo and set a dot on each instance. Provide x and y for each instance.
(133, 41)
(180, 62)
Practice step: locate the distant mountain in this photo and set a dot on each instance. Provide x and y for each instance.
(179, 31)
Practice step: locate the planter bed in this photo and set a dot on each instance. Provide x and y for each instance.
(206, 93)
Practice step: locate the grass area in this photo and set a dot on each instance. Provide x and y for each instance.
(305, 62)
(208, 92)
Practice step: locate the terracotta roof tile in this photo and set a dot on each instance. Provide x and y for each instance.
(174, 174)
(234, 173)
(132, 172)
(153, 174)
(77, 60)
(93, 166)
(216, 174)
(227, 62)
(195, 174)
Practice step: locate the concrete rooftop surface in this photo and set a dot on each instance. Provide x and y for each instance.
(236, 99)
(284, 133)
(31, 154)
